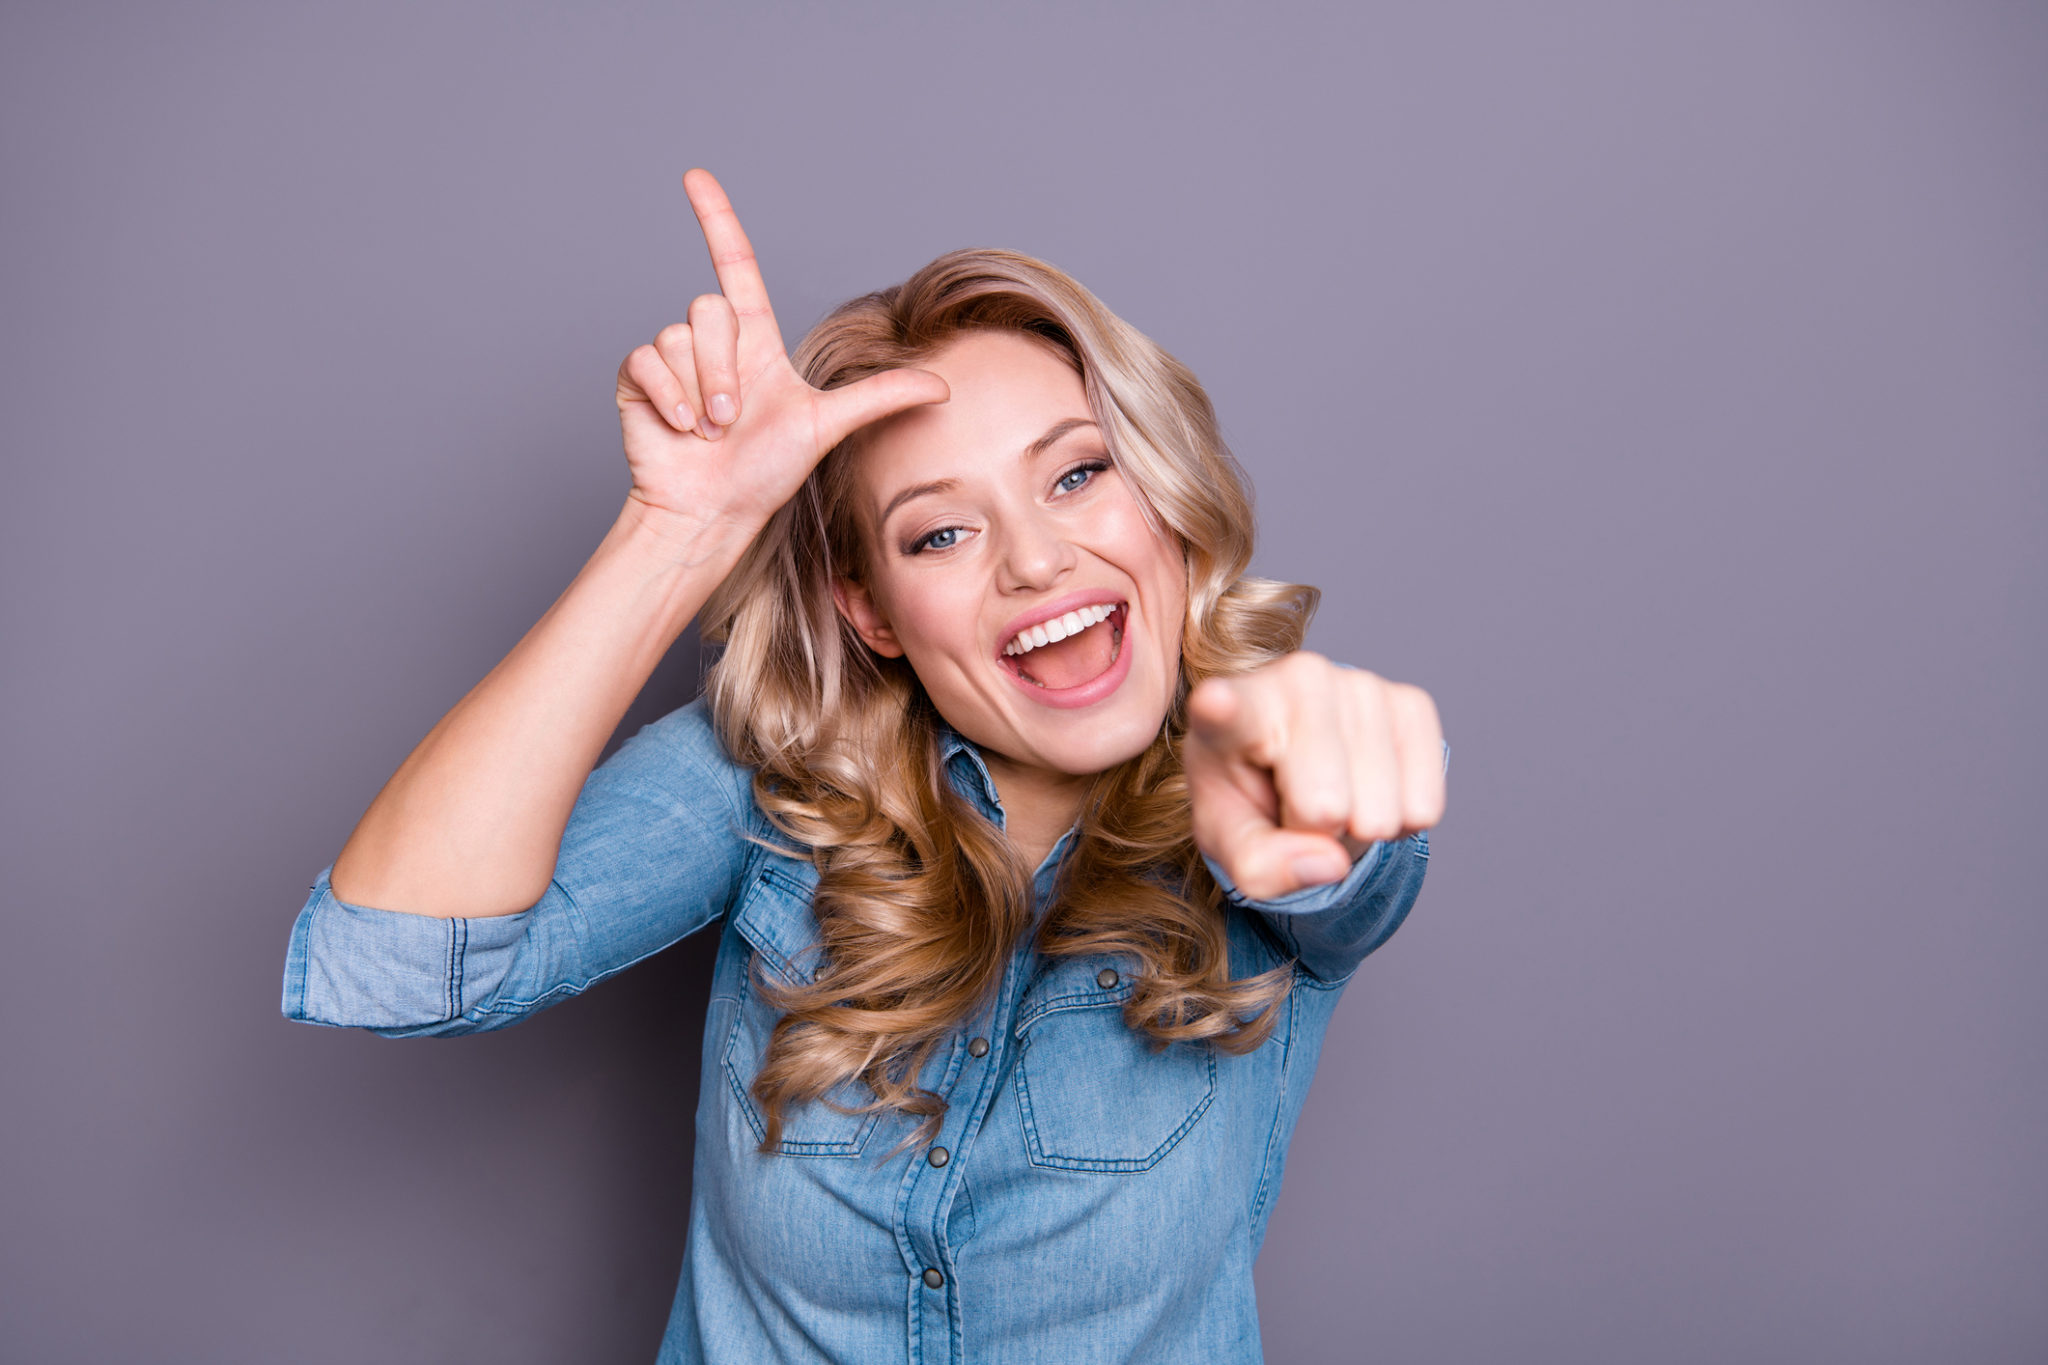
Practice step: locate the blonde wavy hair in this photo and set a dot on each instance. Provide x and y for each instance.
(921, 900)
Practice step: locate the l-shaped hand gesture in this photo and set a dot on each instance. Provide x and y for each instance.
(719, 428)
(1297, 767)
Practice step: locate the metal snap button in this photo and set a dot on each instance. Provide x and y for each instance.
(938, 1156)
(1106, 978)
(978, 1048)
(933, 1279)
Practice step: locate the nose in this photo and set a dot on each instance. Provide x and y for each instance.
(1035, 555)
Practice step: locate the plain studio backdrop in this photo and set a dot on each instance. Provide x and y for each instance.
(1665, 388)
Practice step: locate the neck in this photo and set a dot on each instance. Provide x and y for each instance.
(1038, 805)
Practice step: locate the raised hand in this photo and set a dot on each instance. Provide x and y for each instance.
(1295, 768)
(720, 429)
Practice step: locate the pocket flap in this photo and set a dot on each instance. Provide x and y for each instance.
(1076, 983)
(774, 916)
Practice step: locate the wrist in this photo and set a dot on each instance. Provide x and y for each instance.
(668, 541)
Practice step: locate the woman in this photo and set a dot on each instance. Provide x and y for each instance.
(1042, 851)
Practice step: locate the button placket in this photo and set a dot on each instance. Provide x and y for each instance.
(931, 1185)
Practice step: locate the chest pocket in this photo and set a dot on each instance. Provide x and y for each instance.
(1093, 1094)
(774, 917)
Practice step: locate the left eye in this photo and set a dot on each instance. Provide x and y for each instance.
(1078, 475)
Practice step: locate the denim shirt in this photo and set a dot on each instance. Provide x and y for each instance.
(1086, 1199)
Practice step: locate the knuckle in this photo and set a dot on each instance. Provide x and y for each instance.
(674, 337)
(1320, 814)
(1426, 812)
(1303, 664)
(646, 367)
(1376, 820)
(709, 307)
(1426, 803)
(1371, 695)
(1412, 701)
(1208, 698)
(1321, 798)
(1364, 682)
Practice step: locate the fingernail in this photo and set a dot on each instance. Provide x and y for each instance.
(1316, 868)
(710, 431)
(685, 419)
(722, 409)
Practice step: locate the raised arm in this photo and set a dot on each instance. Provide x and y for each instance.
(719, 432)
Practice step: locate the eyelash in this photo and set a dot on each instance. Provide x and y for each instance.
(923, 542)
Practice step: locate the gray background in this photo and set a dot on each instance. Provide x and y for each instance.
(1662, 387)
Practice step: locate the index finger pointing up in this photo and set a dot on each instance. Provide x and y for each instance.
(732, 256)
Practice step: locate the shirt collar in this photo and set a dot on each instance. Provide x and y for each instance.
(970, 774)
(971, 777)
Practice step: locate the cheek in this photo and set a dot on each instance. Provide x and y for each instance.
(1166, 572)
(1155, 559)
(929, 619)
(1144, 551)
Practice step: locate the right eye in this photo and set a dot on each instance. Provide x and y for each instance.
(942, 539)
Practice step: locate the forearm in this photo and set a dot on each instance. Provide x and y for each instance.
(472, 821)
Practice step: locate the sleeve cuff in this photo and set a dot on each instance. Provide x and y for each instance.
(1308, 900)
(351, 966)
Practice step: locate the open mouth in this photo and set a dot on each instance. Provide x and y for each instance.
(1069, 651)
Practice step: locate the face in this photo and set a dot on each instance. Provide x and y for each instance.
(1012, 565)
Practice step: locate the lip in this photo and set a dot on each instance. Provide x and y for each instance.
(1073, 601)
(1095, 689)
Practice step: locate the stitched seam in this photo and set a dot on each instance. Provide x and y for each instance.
(1078, 1001)
(850, 1147)
(732, 1075)
(1387, 858)
(1112, 1165)
(461, 961)
(705, 775)
(771, 873)
(756, 933)
(915, 1346)
(1279, 1109)
(575, 987)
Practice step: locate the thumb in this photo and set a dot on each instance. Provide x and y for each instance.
(841, 412)
(1265, 861)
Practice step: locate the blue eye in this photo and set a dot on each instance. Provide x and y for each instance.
(941, 539)
(1078, 475)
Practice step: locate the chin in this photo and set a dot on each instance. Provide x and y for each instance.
(1103, 742)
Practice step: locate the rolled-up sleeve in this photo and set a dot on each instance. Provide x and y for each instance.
(656, 847)
(1330, 929)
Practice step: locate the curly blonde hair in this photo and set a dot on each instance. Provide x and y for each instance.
(921, 899)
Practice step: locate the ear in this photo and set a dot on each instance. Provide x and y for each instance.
(857, 605)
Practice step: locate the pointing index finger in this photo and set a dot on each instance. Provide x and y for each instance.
(732, 255)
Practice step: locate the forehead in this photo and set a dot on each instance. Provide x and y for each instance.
(1008, 389)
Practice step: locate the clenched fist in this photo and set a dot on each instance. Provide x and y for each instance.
(1297, 767)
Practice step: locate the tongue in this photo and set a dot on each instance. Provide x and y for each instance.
(1072, 661)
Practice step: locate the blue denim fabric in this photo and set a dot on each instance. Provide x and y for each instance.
(1095, 1200)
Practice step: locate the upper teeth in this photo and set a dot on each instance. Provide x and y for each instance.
(1059, 628)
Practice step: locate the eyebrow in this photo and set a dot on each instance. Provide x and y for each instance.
(1057, 432)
